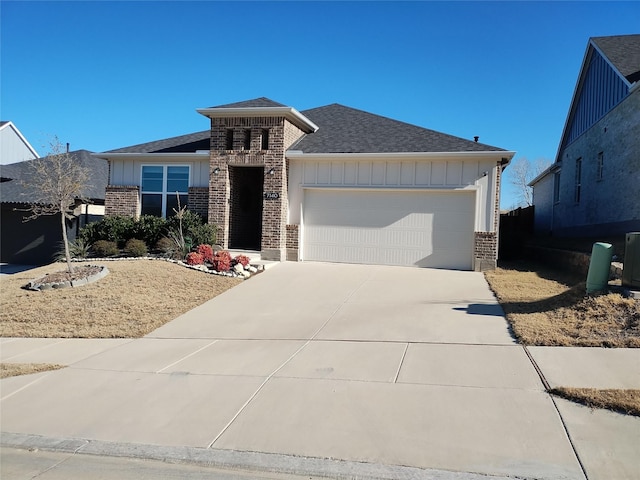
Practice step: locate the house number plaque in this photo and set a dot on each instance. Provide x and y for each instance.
(271, 195)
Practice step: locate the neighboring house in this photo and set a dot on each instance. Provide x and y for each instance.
(593, 188)
(329, 184)
(13, 146)
(36, 241)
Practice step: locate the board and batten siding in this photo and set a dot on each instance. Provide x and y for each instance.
(431, 174)
(126, 171)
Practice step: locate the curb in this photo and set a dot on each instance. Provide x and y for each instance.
(236, 460)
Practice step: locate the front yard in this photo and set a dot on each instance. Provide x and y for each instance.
(135, 298)
(549, 307)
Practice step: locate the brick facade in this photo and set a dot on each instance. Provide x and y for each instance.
(274, 210)
(122, 200)
(199, 201)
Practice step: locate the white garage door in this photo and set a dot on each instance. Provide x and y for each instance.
(425, 229)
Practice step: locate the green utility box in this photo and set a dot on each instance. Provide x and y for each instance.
(599, 267)
(631, 267)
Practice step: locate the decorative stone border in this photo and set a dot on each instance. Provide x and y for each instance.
(38, 286)
(246, 273)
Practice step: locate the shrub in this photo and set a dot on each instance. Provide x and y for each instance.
(149, 229)
(243, 260)
(79, 248)
(206, 251)
(193, 227)
(194, 258)
(222, 261)
(105, 248)
(167, 247)
(135, 247)
(204, 233)
(116, 228)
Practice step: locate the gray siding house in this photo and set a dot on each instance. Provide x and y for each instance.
(593, 187)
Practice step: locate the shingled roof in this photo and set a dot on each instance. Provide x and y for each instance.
(189, 143)
(348, 130)
(262, 102)
(342, 130)
(12, 189)
(623, 51)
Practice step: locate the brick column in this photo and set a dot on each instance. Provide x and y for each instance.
(122, 200)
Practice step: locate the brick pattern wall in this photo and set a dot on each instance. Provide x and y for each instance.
(199, 200)
(122, 200)
(292, 236)
(274, 212)
(485, 250)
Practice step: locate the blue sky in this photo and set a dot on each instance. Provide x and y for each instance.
(104, 75)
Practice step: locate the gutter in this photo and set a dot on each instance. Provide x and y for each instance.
(504, 156)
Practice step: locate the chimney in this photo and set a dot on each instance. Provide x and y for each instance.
(68, 146)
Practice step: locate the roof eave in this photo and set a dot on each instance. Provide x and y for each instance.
(501, 154)
(289, 113)
(151, 155)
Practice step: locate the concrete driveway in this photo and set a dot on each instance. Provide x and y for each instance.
(384, 365)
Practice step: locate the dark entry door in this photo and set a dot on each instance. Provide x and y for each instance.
(245, 219)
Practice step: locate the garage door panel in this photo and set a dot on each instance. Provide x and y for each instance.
(428, 229)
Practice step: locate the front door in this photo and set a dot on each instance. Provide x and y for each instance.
(245, 209)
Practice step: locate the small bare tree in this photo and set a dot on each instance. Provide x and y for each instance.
(54, 184)
(522, 172)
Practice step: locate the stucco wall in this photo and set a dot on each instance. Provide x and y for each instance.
(610, 205)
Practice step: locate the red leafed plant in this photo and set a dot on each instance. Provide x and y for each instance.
(195, 258)
(242, 259)
(206, 251)
(222, 261)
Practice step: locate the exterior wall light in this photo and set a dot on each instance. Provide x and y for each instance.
(216, 170)
(271, 171)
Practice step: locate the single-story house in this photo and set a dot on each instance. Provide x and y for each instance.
(331, 183)
(14, 147)
(593, 187)
(37, 241)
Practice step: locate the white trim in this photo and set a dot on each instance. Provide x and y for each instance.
(298, 154)
(24, 140)
(391, 188)
(289, 113)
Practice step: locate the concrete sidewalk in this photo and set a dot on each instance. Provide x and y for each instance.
(406, 368)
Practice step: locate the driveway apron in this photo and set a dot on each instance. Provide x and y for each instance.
(384, 365)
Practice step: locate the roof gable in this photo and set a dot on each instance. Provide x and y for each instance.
(348, 130)
(262, 102)
(608, 67)
(623, 51)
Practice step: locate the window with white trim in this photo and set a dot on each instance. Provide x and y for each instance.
(161, 185)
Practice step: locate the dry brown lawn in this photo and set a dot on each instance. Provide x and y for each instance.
(623, 401)
(135, 298)
(546, 307)
(14, 369)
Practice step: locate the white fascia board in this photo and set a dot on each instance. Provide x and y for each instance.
(21, 137)
(554, 167)
(289, 113)
(152, 156)
(498, 155)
